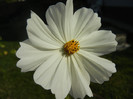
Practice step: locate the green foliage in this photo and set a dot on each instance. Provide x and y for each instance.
(17, 85)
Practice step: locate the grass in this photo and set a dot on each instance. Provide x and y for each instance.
(17, 85)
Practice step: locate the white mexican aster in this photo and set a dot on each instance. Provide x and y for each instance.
(64, 53)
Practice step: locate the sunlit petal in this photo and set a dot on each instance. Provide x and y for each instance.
(99, 69)
(99, 42)
(80, 79)
(31, 57)
(39, 34)
(54, 74)
(86, 22)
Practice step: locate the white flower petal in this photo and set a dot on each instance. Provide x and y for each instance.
(80, 80)
(39, 34)
(59, 18)
(54, 17)
(86, 22)
(30, 57)
(99, 42)
(68, 20)
(99, 69)
(54, 74)
(67, 74)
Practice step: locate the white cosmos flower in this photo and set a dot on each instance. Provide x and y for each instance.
(65, 53)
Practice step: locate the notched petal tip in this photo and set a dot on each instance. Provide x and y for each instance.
(17, 64)
(18, 51)
(32, 13)
(20, 67)
(114, 38)
(20, 48)
(114, 70)
(69, 2)
(90, 94)
(98, 19)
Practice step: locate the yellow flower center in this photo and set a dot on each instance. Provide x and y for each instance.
(71, 47)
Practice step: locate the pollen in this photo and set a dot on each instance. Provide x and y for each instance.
(71, 47)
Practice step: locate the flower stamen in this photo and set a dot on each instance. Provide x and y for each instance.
(71, 47)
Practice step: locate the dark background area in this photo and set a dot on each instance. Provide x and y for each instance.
(116, 15)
